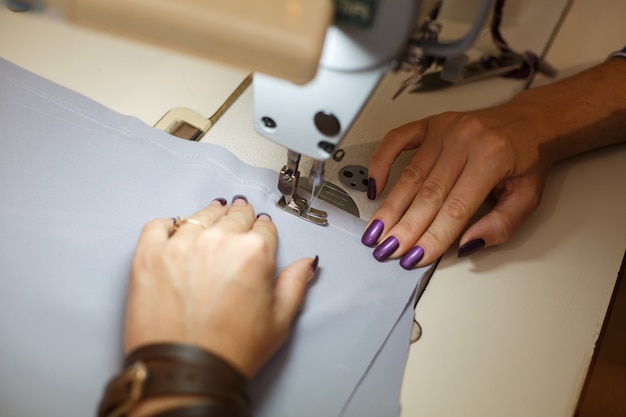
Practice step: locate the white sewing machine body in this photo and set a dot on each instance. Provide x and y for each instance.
(313, 118)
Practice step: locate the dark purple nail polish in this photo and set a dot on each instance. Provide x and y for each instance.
(471, 247)
(314, 264)
(371, 188)
(385, 249)
(222, 201)
(264, 214)
(412, 257)
(372, 233)
(238, 197)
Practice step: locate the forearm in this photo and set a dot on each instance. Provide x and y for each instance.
(579, 113)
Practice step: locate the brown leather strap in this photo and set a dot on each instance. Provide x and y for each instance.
(204, 410)
(173, 370)
(188, 370)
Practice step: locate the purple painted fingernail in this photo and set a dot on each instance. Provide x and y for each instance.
(222, 201)
(471, 247)
(371, 188)
(314, 264)
(385, 249)
(313, 268)
(372, 233)
(239, 197)
(264, 214)
(412, 257)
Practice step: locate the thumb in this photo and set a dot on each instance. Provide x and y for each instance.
(290, 288)
(517, 199)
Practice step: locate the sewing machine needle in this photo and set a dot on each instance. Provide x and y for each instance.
(315, 178)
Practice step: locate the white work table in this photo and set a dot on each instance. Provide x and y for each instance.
(509, 331)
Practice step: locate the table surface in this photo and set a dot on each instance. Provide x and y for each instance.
(509, 331)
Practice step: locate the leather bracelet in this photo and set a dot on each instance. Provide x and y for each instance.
(200, 410)
(174, 370)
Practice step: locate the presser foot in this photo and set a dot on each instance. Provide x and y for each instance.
(298, 206)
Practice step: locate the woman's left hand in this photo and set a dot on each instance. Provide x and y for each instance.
(210, 283)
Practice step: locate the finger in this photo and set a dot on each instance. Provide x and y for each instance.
(290, 288)
(402, 196)
(209, 215)
(240, 216)
(403, 138)
(202, 219)
(458, 208)
(155, 231)
(432, 196)
(264, 226)
(519, 198)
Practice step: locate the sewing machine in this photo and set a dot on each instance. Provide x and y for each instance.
(317, 62)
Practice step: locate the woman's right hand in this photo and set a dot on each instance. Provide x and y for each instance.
(460, 159)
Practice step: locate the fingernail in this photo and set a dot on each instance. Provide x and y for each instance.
(222, 201)
(315, 262)
(371, 188)
(385, 249)
(412, 257)
(239, 197)
(21, 5)
(471, 247)
(372, 233)
(313, 267)
(264, 214)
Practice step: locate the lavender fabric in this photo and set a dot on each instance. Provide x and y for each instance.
(77, 183)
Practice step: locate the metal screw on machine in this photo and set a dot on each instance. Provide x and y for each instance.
(268, 122)
(327, 147)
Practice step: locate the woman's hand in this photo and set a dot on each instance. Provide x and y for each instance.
(460, 159)
(210, 283)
